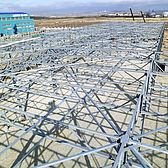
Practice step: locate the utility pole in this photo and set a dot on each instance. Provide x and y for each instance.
(132, 14)
(143, 17)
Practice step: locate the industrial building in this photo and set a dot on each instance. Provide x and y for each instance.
(15, 23)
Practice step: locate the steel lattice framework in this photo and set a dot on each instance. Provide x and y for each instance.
(94, 96)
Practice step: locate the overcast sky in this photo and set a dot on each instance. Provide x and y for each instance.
(72, 6)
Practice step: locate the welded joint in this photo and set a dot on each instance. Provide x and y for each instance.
(124, 139)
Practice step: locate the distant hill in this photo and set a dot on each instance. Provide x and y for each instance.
(161, 11)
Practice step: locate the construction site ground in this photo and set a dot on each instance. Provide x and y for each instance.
(19, 150)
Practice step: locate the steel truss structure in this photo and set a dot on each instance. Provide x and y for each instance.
(94, 96)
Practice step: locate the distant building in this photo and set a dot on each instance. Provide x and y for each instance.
(15, 23)
(165, 14)
(154, 14)
(158, 15)
(125, 14)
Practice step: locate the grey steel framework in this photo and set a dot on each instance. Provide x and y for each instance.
(94, 96)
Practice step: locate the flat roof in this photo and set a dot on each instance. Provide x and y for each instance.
(8, 13)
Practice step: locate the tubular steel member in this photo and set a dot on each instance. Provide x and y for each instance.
(90, 97)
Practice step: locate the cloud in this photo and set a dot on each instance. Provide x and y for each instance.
(71, 6)
(9, 7)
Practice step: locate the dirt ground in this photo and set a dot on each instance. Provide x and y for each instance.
(165, 41)
(79, 21)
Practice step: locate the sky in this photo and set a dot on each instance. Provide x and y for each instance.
(79, 6)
